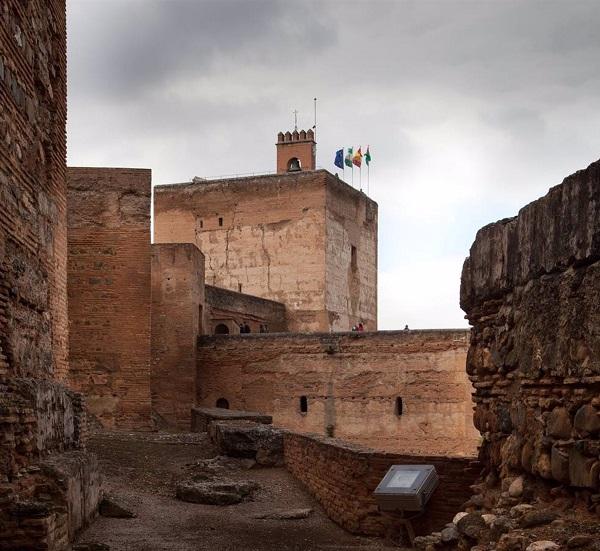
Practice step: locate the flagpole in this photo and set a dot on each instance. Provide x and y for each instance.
(368, 178)
(360, 177)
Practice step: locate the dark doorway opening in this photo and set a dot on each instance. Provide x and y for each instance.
(221, 329)
(222, 403)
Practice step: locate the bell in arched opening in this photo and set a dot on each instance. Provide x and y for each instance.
(294, 165)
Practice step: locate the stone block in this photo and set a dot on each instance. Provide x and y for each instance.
(202, 417)
(559, 423)
(587, 419)
(559, 459)
(263, 443)
(583, 470)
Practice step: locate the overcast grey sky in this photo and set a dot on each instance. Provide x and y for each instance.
(471, 109)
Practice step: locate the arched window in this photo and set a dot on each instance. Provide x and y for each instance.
(221, 329)
(303, 404)
(294, 165)
(222, 403)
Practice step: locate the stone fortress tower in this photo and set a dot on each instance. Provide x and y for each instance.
(301, 237)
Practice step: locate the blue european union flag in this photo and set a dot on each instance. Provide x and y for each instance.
(339, 159)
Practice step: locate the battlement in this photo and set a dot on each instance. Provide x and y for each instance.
(295, 136)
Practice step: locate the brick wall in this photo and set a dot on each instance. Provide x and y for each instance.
(40, 420)
(33, 306)
(343, 477)
(231, 308)
(109, 292)
(178, 306)
(531, 289)
(351, 382)
(269, 234)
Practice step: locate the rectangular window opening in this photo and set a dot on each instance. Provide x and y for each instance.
(220, 221)
(399, 406)
(353, 258)
(303, 404)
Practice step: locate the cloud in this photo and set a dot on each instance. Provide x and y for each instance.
(471, 109)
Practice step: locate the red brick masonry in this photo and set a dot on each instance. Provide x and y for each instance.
(343, 477)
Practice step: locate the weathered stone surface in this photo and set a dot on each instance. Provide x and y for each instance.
(458, 516)
(219, 492)
(271, 373)
(203, 416)
(587, 419)
(530, 288)
(521, 509)
(303, 224)
(177, 318)
(110, 507)
(543, 545)
(49, 485)
(583, 470)
(579, 540)
(537, 518)
(559, 423)
(501, 525)
(560, 464)
(248, 439)
(516, 487)
(109, 291)
(292, 514)
(471, 525)
(450, 534)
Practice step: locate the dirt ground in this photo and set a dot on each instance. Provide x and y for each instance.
(141, 470)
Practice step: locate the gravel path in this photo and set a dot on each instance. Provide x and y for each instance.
(142, 470)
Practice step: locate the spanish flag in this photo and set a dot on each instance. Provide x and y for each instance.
(357, 159)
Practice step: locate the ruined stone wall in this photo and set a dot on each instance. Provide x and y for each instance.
(40, 420)
(343, 477)
(178, 318)
(351, 269)
(351, 382)
(231, 308)
(109, 292)
(531, 289)
(266, 236)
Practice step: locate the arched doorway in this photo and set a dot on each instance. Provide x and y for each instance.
(221, 329)
(222, 403)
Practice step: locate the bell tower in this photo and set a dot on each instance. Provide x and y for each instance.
(296, 151)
